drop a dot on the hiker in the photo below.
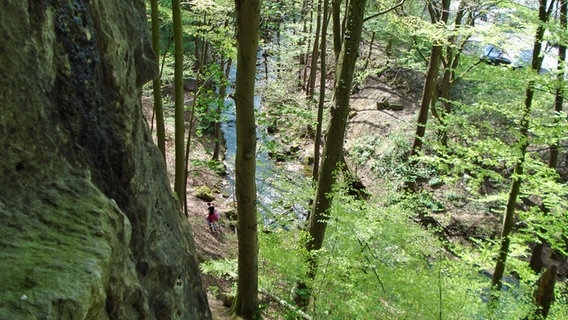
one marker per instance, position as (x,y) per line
(212,216)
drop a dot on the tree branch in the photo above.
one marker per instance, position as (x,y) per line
(419,51)
(384,11)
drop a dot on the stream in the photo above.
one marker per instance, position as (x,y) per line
(281,193)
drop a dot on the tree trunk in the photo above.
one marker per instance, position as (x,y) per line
(508,220)
(450,64)
(337,31)
(370,52)
(315,53)
(156,83)
(197,52)
(544,293)
(559,97)
(427,93)
(308,46)
(536,262)
(303,56)
(321,99)
(222,93)
(334,144)
(179,180)
(248,17)
(187,150)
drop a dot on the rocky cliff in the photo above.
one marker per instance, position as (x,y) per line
(88,225)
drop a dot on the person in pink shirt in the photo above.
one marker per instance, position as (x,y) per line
(212,217)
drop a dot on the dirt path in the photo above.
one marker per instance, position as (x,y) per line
(208,246)
(218,311)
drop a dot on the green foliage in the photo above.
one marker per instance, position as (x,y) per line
(225,268)
(209,105)
(376,263)
(216,166)
(286,116)
(383,155)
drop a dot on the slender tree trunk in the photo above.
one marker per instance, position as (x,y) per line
(536,262)
(308,46)
(544,294)
(337,31)
(430,86)
(248,17)
(345,19)
(179,180)
(321,101)
(222,93)
(334,145)
(427,92)
(315,53)
(196,52)
(370,52)
(508,221)
(303,56)
(559,97)
(156,83)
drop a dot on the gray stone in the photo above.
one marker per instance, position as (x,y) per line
(88,225)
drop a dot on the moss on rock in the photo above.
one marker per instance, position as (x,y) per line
(89,228)
(204,193)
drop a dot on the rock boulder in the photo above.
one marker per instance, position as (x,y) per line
(89,228)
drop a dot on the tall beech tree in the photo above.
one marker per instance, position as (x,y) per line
(315,54)
(179,180)
(438,15)
(248,17)
(321,98)
(560,86)
(536,262)
(464,19)
(517,177)
(333,149)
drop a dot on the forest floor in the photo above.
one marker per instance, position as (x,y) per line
(398,87)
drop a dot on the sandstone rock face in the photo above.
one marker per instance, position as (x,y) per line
(88,225)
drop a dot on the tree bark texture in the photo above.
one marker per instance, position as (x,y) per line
(248,17)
